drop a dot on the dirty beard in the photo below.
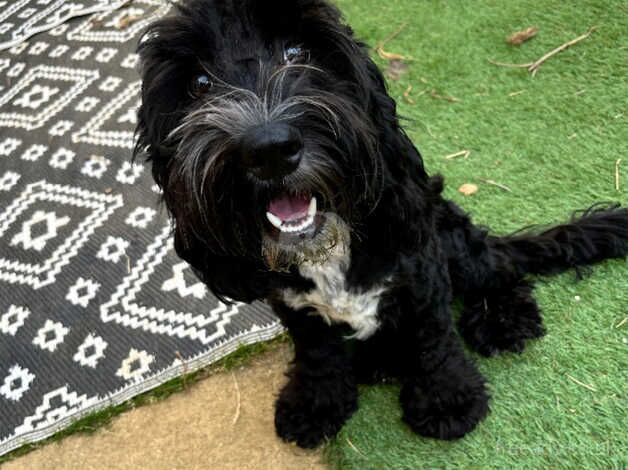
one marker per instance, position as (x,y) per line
(281,254)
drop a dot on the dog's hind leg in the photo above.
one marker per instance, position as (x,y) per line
(499,311)
(488,272)
(500,320)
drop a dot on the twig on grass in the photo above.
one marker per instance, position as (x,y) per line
(354,447)
(463,153)
(495,183)
(237,389)
(390,55)
(617,174)
(406,95)
(582,384)
(622,323)
(451,99)
(533,67)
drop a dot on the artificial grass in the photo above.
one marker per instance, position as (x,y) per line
(553,140)
(555,146)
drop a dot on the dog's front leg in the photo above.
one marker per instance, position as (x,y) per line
(443,395)
(321,393)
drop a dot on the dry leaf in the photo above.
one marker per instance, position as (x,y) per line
(389,55)
(127,20)
(468,189)
(396,68)
(520,37)
(96,23)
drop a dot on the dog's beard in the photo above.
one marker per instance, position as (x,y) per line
(283,251)
(222,196)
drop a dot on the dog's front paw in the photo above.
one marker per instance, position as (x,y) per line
(310,415)
(443,414)
(502,321)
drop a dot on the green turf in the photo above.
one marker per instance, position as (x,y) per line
(555,146)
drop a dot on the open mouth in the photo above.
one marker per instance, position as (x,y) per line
(293,214)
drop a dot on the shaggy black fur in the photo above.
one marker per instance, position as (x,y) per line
(214,70)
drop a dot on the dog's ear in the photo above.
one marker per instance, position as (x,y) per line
(397,149)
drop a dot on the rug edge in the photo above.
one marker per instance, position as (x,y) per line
(193,364)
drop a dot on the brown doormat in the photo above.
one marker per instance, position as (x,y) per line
(202,427)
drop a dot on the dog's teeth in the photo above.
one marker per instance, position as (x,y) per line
(290,228)
(311,211)
(273,219)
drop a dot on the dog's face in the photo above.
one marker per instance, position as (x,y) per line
(263,122)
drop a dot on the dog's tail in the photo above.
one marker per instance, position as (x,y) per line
(593,235)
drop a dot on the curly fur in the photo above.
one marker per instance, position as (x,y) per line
(363,170)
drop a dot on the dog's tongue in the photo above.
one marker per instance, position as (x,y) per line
(289,208)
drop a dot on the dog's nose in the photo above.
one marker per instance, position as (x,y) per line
(272,151)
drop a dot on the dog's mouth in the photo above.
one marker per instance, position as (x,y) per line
(298,230)
(293,214)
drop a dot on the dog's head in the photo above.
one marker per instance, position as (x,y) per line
(266,124)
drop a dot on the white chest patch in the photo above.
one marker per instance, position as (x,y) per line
(331,299)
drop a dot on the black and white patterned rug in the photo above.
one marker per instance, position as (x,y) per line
(21,19)
(95,307)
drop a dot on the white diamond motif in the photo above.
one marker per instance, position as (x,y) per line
(62,158)
(129,173)
(8,145)
(52,223)
(8,180)
(91,351)
(16,383)
(59,50)
(106,54)
(141,217)
(95,166)
(82,292)
(40,102)
(113,249)
(32,153)
(43,271)
(13,319)
(110,83)
(87,104)
(61,128)
(135,365)
(36,96)
(50,335)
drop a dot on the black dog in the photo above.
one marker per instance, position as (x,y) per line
(289,179)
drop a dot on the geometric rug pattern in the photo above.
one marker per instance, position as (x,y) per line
(95,306)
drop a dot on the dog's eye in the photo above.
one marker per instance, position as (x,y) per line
(201,84)
(293,54)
